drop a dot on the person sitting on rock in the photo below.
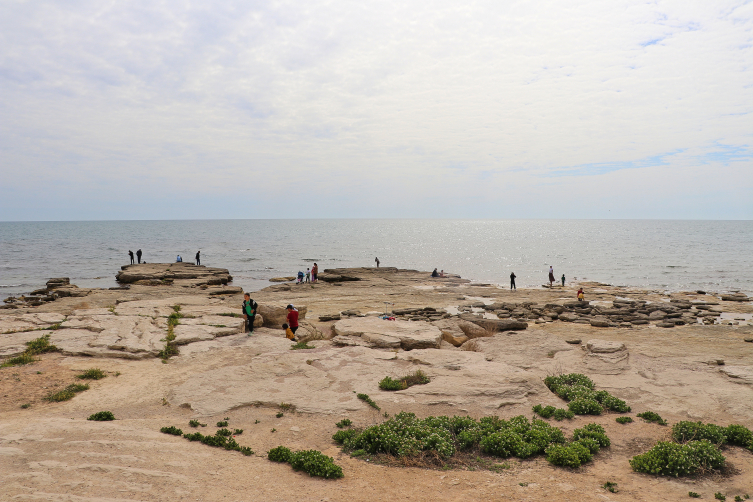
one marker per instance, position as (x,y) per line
(292,318)
(289,332)
(581,296)
(435,273)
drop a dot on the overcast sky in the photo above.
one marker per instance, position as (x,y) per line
(449,109)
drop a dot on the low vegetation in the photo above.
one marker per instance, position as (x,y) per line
(92,374)
(301,345)
(650,416)
(102,416)
(67,393)
(551,411)
(196,423)
(366,399)
(418,377)
(222,439)
(171,348)
(345,422)
(582,398)
(34,347)
(623,420)
(313,462)
(438,439)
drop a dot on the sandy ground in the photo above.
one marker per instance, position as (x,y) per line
(49,451)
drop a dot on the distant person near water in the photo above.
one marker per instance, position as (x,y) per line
(512,281)
(292,318)
(308,275)
(198,257)
(441,273)
(178,259)
(300,278)
(563,280)
(435,273)
(551,276)
(377,261)
(138,255)
(314,272)
(130,253)
(249,312)
(581,296)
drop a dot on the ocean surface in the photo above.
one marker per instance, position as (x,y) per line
(668,255)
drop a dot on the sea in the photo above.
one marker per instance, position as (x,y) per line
(682,255)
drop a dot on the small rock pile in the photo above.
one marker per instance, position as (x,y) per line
(57,287)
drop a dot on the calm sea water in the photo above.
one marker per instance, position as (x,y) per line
(669,255)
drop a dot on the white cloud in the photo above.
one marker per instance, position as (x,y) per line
(375,108)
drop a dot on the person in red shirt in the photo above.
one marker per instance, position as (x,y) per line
(292,318)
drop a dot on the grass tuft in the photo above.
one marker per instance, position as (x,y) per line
(92,374)
(102,416)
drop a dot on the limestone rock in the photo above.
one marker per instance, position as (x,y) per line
(569,317)
(604,347)
(282,279)
(743,374)
(472,330)
(738,297)
(57,282)
(390,334)
(656,315)
(275,315)
(198,274)
(329,317)
(599,322)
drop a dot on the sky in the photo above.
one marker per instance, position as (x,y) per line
(166,109)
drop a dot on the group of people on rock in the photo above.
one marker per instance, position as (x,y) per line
(138,255)
(178,259)
(310,276)
(250,308)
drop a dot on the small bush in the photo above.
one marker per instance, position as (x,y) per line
(388,383)
(551,411)
(315,463)
(365,398)
(196,423)
(345,422)
(279,454)
(219,440)
(685,431)
(103,416)
(172,430)
(739,435)
(301,345)
(585,407)
(40,346)
(223,432)
(343,437)
(672,459)
(719,496)
(570,455)
(693,495)
(623,420)
(650,416)
(92,374)
(578,388)
(26,405)
(610,487)
(67,393)
(592,431)
(237,432)
(279,414)
(222,423)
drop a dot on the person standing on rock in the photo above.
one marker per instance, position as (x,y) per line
(551,276)
(512,281)
(377,261)
(249,312)
(563,280)
(308,275)
(292,318)
(198,257)
(130,253)
(138,255)
(314,272)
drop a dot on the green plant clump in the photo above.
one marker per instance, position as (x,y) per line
(693,495)
(224,432)
(650,416)
(551,411)
(171,430)
(418,377)
(367,400)
(672,459)
(623,420)
(279,454)
(34,347)
(196,423)
(315,463)
(739,435)
(219,440)
(92,374)
(67,393)
(102,416)
(685,431)
(345,422)
(719,496)
(610,487)
(222,423)
(583,399)
(301,345)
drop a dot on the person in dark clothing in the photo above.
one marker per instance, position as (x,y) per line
(130,253)
(249,312)
(138,255)
(377,261)
(512,281)
(292,318)
(198,257)
(563,280)
(435,273)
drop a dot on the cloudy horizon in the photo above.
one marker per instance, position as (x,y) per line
(143,110)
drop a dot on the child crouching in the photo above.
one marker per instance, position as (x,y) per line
(288,332)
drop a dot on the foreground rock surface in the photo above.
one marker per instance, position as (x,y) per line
(390,334)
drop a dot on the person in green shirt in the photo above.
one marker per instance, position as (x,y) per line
(249,312)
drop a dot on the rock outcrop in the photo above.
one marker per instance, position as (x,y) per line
(381,333)
(184,272)
(276,315)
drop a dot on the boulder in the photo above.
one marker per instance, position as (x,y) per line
(738,297)
(471,330)
(275,315)
(329,317)
(495,325)
(599,322)
(390,334)
(742,374)
(57,282)
(225,291)
(197,274)
(656,315)
(568,317)
(606,356)
(456,338)
(282,279)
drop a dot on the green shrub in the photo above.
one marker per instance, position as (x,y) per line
(569,455)
(20,360)
(343,437)
(219,440)
(103,416)
(693,495)
(418,377)
(739,435)
(223,432)
(583,406)
(720,496)
(237,432)
(315,463)
(551,411)
(610,487)
(301,345)
(172,430)
(279,454)
(592,431)
(196,423)
(67,393)
(650,416)
(672,459)
(39,345)
(92,374)
(388,383)
(561,414)
(623,420)
(365,398)
(345,422)
(222,423)
(685,431)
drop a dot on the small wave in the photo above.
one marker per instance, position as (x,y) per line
(248,259)
(11,285)
(311,259)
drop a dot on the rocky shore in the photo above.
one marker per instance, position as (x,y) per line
(173,335)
